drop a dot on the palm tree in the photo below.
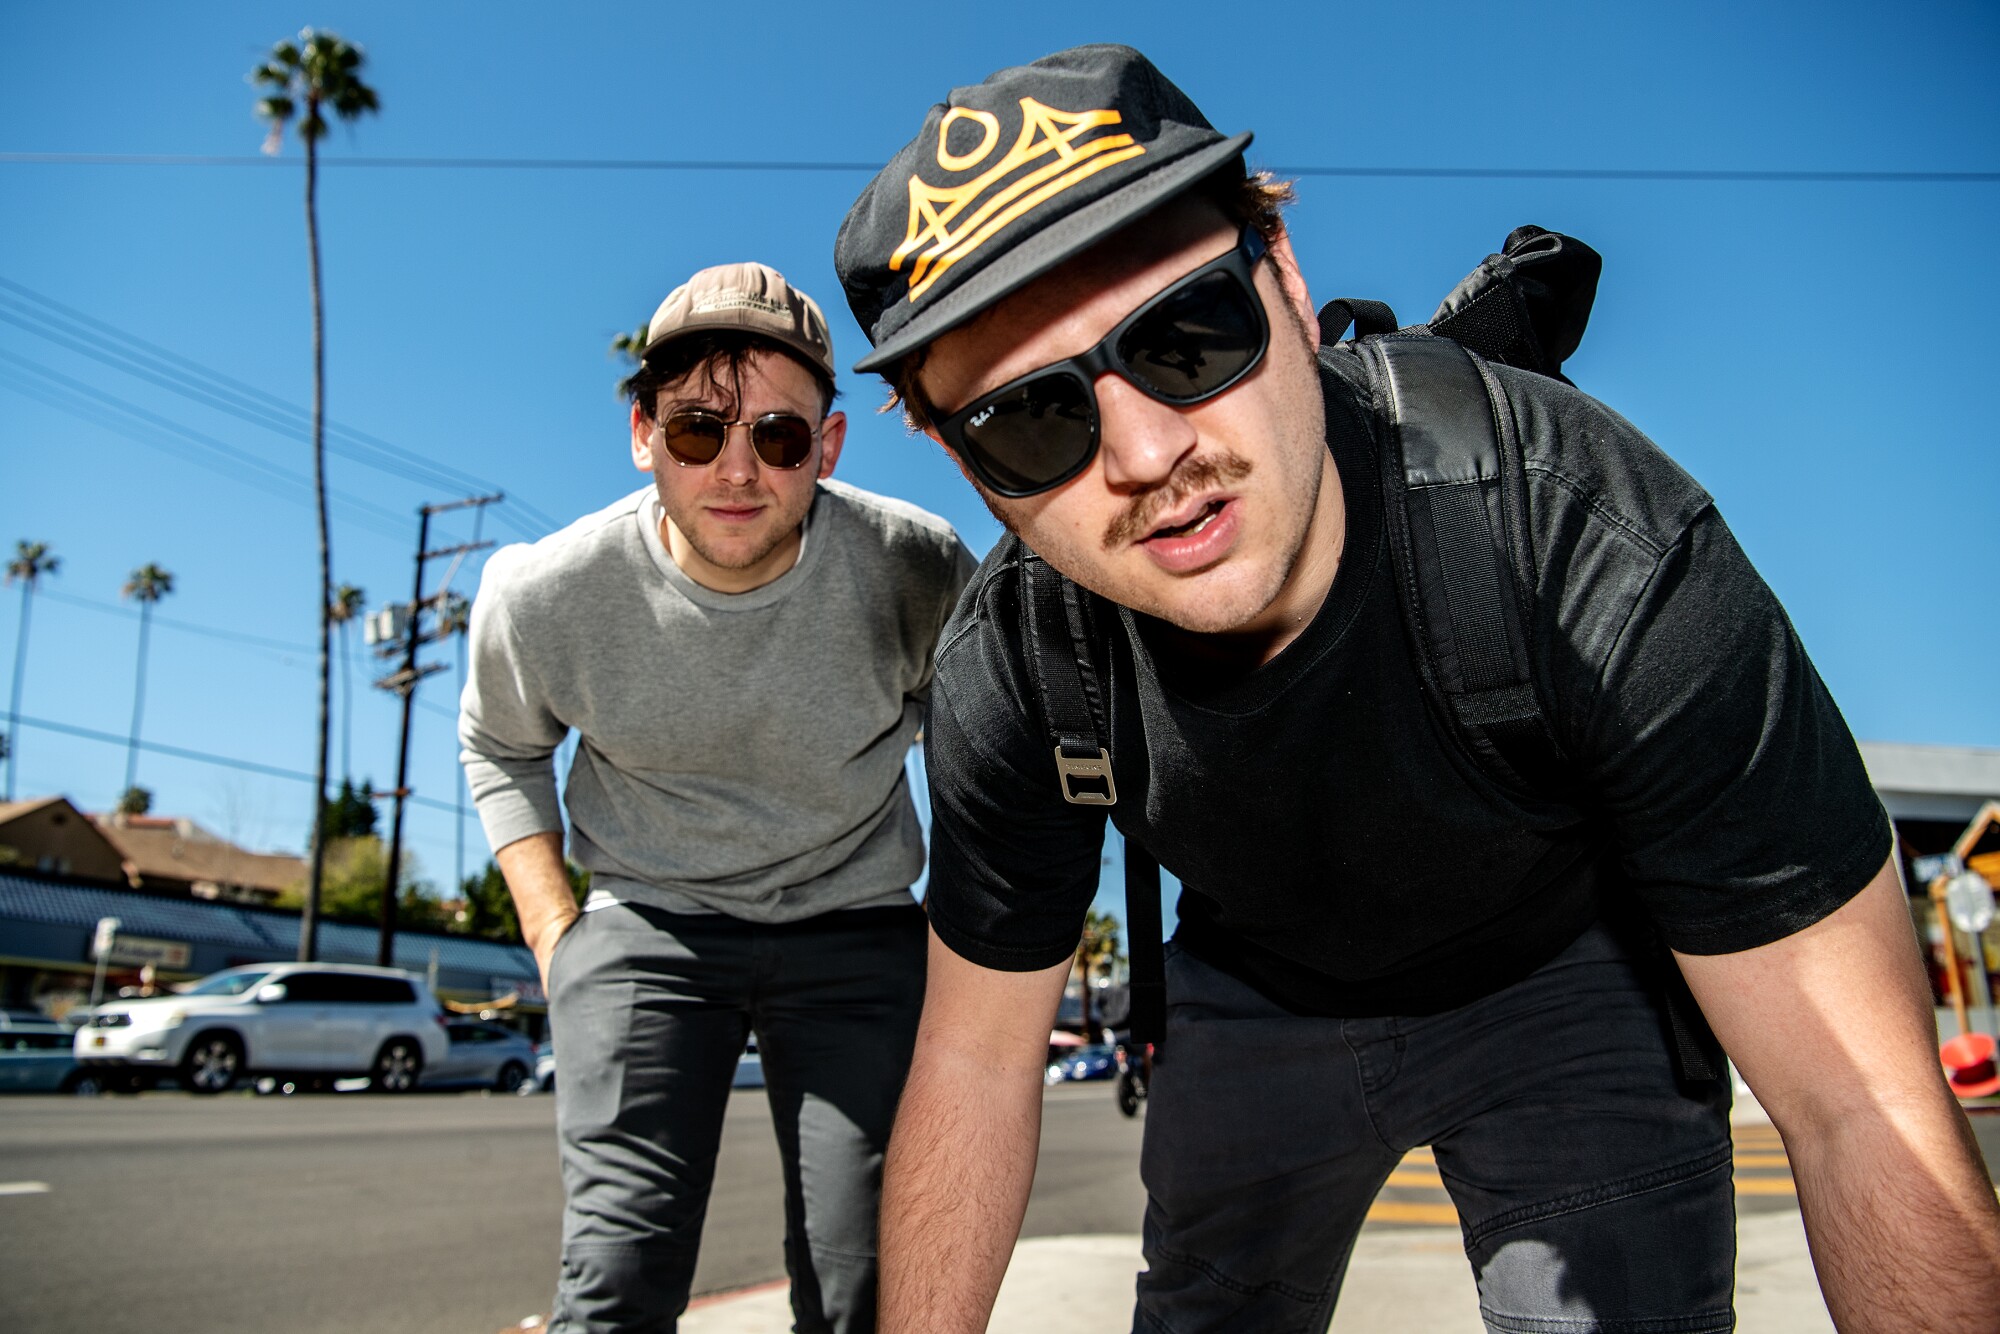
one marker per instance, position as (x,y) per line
(31,561)
(1096,952)
(629,348)
(307,78)
(347,600)
(147,585)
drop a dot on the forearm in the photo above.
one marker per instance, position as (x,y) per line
(1902,1222)
(1833,1029)
(539,882)
(955,1186)
(962,1157)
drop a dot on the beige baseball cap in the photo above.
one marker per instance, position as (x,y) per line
(752,298)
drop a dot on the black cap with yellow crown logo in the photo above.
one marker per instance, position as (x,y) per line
(1008,179)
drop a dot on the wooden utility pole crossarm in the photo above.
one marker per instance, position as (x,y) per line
(404,681)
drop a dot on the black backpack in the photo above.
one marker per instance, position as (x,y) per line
(1457,523)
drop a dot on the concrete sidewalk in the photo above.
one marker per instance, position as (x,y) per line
(1401,1278)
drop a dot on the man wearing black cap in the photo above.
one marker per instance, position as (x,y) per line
(743,647)
(1074,287)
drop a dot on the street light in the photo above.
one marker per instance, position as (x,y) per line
(100,945)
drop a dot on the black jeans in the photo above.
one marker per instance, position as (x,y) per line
(1594,1191)
(649,1011)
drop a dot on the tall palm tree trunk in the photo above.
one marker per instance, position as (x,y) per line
(138,698)
(14,699)
(309,918)
(346,704)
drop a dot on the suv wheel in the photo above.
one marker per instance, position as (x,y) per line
(83,1084)
(212,1063)
(397,1066)
(513,1078)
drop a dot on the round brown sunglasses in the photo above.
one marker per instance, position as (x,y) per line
(695,437)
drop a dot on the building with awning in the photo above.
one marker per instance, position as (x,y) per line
(48,924)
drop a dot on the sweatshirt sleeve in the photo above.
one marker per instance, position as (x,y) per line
(507,733)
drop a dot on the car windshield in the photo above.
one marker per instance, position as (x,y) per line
(232,983)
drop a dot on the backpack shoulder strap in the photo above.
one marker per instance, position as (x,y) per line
(1057,634)
(1056,640)
(1456,514)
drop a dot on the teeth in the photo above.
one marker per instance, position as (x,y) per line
(1192,526)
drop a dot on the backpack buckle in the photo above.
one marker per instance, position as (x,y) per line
(1092,769)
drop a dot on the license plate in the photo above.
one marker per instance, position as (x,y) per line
(98,1041)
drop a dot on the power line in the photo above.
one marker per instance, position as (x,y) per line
(255,641)
(199,756)
(1665,175)
(263,474)
(87,334)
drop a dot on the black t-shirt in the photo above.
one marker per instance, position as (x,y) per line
(1336,848)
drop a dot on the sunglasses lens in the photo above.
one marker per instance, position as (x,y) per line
(1196,342)
(1033,435)
(782,440)
(693,437)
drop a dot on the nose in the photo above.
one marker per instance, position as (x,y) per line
(737,464)
(1139,439)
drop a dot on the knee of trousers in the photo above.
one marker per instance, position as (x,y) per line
(1651,1254)
(611,1288)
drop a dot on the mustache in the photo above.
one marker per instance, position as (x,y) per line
(1198,473)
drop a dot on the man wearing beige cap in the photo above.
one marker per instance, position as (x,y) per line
(744,648)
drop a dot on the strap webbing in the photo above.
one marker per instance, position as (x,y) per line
(1148,983)
(1449,506)
(1366,318)
(1058,632)
(1055,628)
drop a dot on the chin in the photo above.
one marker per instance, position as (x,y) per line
(1217,602)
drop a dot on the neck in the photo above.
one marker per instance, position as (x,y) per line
(725,579)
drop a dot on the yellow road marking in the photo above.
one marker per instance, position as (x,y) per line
(1762,1159)
(1399,1211)
(1765,1186)
(1417,1178)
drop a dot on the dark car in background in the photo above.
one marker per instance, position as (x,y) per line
(482,1055)
(1097,1061)
(37,1055)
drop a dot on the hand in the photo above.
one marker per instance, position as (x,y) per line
(545,944)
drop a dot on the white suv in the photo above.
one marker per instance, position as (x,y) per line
(310,1020)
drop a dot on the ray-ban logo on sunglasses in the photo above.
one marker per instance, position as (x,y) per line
(947,223)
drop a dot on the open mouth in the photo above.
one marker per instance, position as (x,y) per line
(1194,524)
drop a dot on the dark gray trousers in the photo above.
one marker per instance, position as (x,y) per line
(649,1011)
(1594,1192)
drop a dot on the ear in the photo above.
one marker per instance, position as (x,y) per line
(642,440)
(832,435)
(1294,283)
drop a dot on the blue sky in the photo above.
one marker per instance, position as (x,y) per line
(1818,355)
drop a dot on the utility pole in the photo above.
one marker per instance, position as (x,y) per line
(404,681)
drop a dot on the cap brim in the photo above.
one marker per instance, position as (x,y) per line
(1061,240)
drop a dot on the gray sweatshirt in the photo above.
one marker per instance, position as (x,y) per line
(737,753)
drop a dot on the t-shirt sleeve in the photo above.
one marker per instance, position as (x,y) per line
(507,734)
(1013,865)
(1741,807)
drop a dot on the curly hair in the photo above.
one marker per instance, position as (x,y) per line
(717,356)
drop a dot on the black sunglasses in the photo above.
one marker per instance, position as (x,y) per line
(695,437)
(1191,342)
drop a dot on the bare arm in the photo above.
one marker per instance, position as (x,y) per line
(543,899)
(962,1156)
(1833,1030)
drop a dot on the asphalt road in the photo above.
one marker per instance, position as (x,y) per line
(165,1213)
(441,1213)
